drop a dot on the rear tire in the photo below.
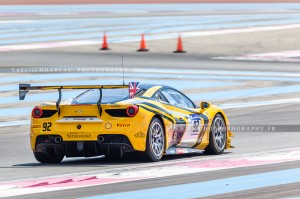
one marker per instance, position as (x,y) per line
(155,145)
(217,136)
(47,158)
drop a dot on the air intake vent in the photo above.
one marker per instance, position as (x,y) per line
(48,113)
(117,112)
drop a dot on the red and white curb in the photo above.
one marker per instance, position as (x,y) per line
(284,56)
(154,170)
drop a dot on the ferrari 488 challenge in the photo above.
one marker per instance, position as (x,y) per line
(114,120)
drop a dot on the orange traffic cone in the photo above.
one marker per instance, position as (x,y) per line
(104,44)
(143,46)
(179,46)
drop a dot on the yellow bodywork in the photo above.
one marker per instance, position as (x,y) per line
(134,128)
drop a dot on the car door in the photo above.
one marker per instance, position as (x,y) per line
(188,122)
(176,131)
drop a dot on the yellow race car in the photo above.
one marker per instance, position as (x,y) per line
(114,120)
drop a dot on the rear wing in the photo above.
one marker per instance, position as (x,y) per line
(25,88)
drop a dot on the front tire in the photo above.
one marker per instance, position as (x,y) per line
(155,140)
(217,136)
(48,158)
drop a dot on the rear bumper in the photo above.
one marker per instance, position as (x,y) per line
(134,128)
(111,145)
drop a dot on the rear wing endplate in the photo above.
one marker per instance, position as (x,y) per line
(25,88)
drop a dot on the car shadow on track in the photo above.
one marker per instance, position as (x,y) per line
(101,161)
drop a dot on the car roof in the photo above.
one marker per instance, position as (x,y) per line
(146,86)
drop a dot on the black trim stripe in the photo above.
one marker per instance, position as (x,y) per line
(153,111)
(183,108)
(201,134)
(190,111)
(157,107)
(204,117)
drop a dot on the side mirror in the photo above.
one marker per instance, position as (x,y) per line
(205,105)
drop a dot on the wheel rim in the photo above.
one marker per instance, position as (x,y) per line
(157,139)
(219,131)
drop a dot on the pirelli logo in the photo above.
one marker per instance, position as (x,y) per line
(36,126)
(123,125)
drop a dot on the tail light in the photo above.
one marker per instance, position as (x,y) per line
(37,112)
(132,110)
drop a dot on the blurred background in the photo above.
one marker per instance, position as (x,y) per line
(243,56)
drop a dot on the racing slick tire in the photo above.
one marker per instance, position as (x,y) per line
(217,136)
(48,158)
(155,145)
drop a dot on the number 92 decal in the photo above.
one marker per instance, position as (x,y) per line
(47,126)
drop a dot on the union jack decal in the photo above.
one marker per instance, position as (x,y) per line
(133,88)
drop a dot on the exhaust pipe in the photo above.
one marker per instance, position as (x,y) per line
(101,139)
(57,140)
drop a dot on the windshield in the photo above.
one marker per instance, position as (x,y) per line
(108,96)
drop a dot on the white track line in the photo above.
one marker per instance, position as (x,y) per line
(256,155)
(147,171)
(213,72)
(284,56)
(46,45)
(16,21)
(14,123)
(150,37)
(260,103)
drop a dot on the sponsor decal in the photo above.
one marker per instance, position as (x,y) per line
(172,151)
(139,135)
(78,119)
(181,151)
(75,119)
(75,135)
(133,88)
(108,125)
(179,129)
(195,122)
(37,126)
(81,119)
(123,125)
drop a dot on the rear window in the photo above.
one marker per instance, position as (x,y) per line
(108,96)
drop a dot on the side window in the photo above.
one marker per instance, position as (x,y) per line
(169,97)
(159,97)
(176,98)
